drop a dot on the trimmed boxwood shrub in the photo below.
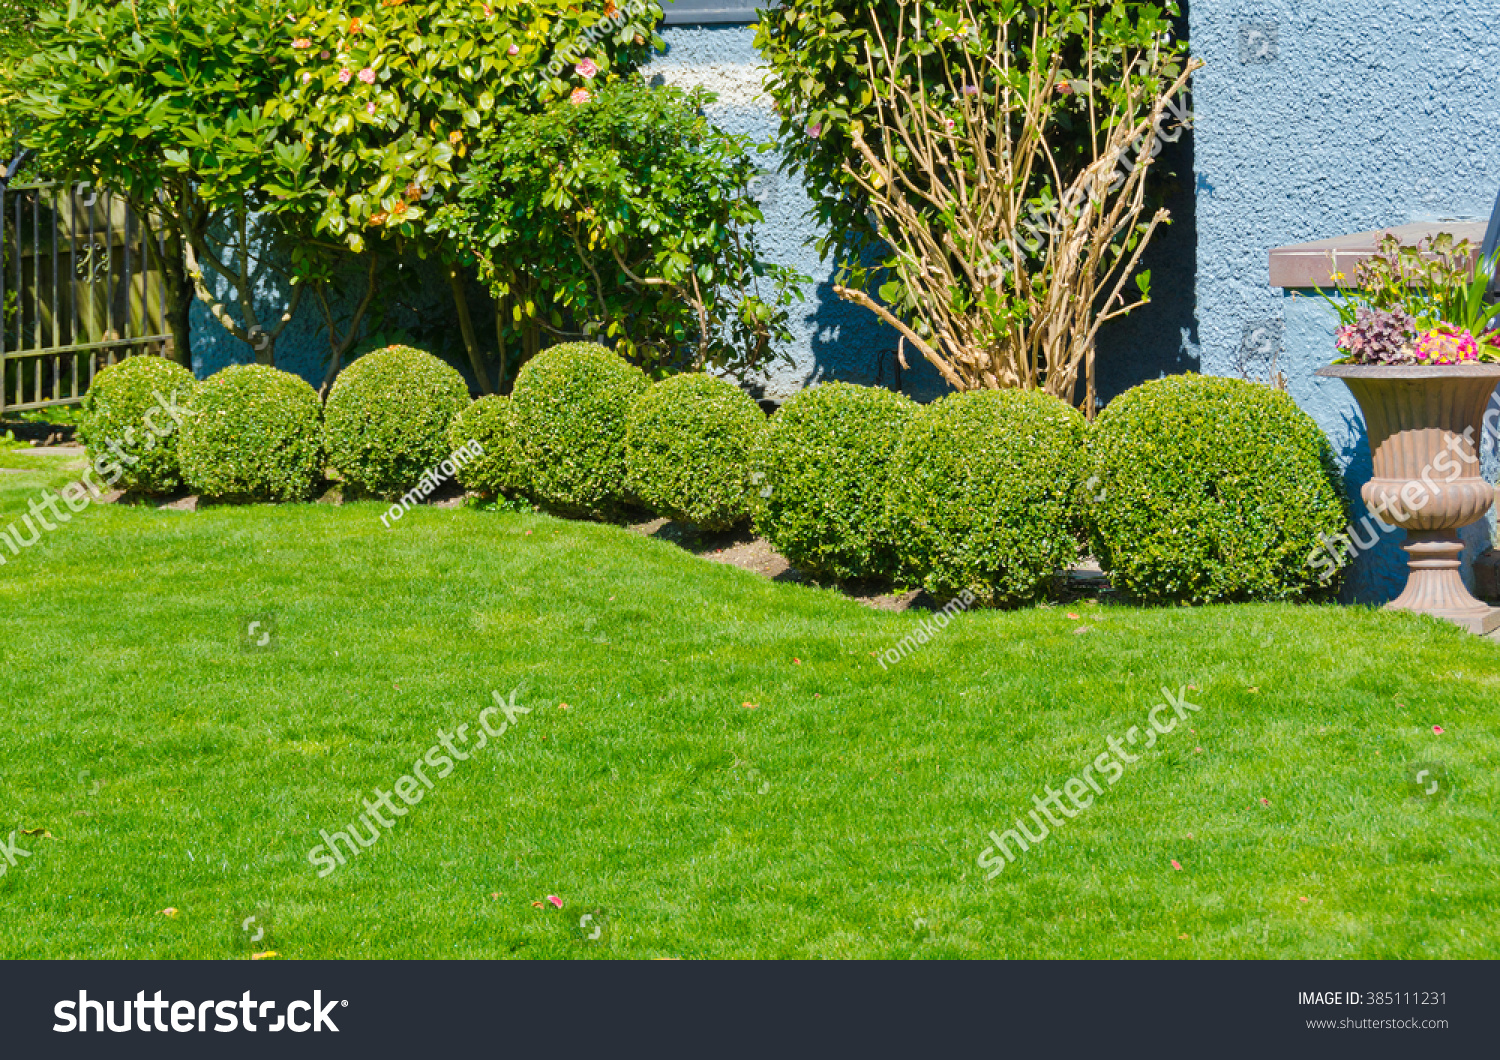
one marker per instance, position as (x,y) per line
(571,403)
(115,408)
(984,493)
(687,447)
(490,421)
(1209,489)
(819,475)
(387,419)
(254,435)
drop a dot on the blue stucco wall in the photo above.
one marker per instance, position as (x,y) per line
(1318,120)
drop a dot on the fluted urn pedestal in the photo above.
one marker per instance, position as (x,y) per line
(1425,426)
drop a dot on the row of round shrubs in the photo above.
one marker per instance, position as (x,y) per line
(1187,488)
(253,433)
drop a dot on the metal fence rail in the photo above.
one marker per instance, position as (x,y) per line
(78,288)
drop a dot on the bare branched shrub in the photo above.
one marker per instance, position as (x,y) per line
(1011,193)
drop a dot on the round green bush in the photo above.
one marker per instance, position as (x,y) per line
(819,475)
(490,421)
(984,493)
(118,419)
(1207,489)
(571,403)
(254,435)
(387,419)
(687,447)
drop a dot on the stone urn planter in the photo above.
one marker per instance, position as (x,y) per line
(1425,425)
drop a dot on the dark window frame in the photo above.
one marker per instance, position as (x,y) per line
(712,12)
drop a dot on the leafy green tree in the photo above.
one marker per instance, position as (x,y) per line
(628,217)
(386,102)
(166,103)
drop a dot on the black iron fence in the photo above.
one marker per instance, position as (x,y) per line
(81,287)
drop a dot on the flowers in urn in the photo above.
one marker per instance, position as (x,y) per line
(1426,304)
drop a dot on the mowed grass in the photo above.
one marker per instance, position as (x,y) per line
(840,816)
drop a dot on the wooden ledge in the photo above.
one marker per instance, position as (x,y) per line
(1313,264)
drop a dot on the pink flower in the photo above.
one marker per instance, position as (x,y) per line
(586,68)
(323,54)
(344,76)
(301,42)
(367,75)
(513,50)
(971,90)
(370,107)
(948,124)
(1437,730)
(579,95)
(815,130)
(306,77)
(1446,345)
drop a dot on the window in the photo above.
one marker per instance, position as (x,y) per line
(691,12)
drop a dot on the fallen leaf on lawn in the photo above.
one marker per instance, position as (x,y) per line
(1252,690)
(817,695)
(1073,616)
(1175,865)
(169,911)
(1190,835)
(264,956)
(1437,730)
(1197,750)
(1182,936)
(563,706)
(1194,687)
(749,706)
(555,900)
(1081,629)
(1301,899)
(41,832)
(1265,802)
(494,894)
(537,905)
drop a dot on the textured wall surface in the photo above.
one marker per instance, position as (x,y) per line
(835,340)
(1317,120)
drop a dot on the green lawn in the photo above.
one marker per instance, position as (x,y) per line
(841,817)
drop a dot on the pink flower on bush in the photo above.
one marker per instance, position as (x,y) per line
(306,77)
(971,90)
(323,54)
(1445,345)
(580,95)
(370,107)
(301,42)
(345,75)
(586,68)
(948,124)
(513,50)
(367,75)
(815,130)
